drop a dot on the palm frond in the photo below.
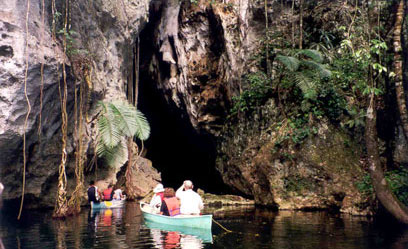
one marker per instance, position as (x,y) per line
(322,69)
(108,130)
(143,127)
(307,85)
(125,117)
(289,62)
(315,55)
(131,121)
(111,155)
(118,120)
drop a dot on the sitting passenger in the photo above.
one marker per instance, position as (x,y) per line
(170,205)
(108,193)
(157,199)
(117,194)
(190,202)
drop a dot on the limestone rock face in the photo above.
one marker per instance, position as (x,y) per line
(199,54)
(104,32)
(320,173)
(145,175)
(201,51)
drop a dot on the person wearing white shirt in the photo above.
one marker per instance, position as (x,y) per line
(155,202)
(118,195)
(190,202)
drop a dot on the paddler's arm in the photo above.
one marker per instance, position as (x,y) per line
(180,190)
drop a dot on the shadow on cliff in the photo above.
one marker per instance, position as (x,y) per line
(176,149)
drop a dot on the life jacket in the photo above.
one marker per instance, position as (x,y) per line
(107,194)
(173,205)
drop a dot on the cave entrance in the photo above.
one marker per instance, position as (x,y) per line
(176,149)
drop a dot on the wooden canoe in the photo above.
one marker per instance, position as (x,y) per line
(107,204)
(196,221)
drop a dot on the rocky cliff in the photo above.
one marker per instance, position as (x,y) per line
(195,54)
(199,54)
(104,31)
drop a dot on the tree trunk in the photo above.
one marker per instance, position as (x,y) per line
(268,63)
(301,25)
(293,24)
(399,88)
(130,188)
(382,190)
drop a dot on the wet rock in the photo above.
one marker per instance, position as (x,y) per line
(211,200)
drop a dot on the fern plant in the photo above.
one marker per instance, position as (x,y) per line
(306,70)
(118,120)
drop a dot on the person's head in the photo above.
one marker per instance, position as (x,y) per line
(92,182)
(188,184)
(110,185)
(169,192)
(159,188)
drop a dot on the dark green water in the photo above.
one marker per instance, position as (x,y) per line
(254,228)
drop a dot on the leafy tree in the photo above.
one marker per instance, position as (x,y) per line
(118,120)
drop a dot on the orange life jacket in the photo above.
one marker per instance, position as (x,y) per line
(173,205)
(107,194)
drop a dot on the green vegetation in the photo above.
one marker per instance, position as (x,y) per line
(118,120)
(257,92)
(397,180)
(327,82)
(298,184)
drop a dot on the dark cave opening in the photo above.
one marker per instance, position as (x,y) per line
(176,149)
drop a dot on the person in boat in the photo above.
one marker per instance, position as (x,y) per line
(93,194)
(1,188)
(118,195)
(158,197)
(108,193)
(190,202)
(170,205)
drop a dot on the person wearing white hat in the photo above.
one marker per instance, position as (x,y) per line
(190,202)
(158,197)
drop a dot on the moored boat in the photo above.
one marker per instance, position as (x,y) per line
(196,221)
(108,204)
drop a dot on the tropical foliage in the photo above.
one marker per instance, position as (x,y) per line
(119,120)
(344,79)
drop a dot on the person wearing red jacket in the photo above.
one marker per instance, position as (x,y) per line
(170,204)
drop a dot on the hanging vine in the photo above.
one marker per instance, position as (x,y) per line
(81,68)
(28,110)
(61,206)
(42,67)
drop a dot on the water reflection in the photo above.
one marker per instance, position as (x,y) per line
(254,228)
(174,239)
(203,235)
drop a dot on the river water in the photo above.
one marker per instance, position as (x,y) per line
(252,228)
